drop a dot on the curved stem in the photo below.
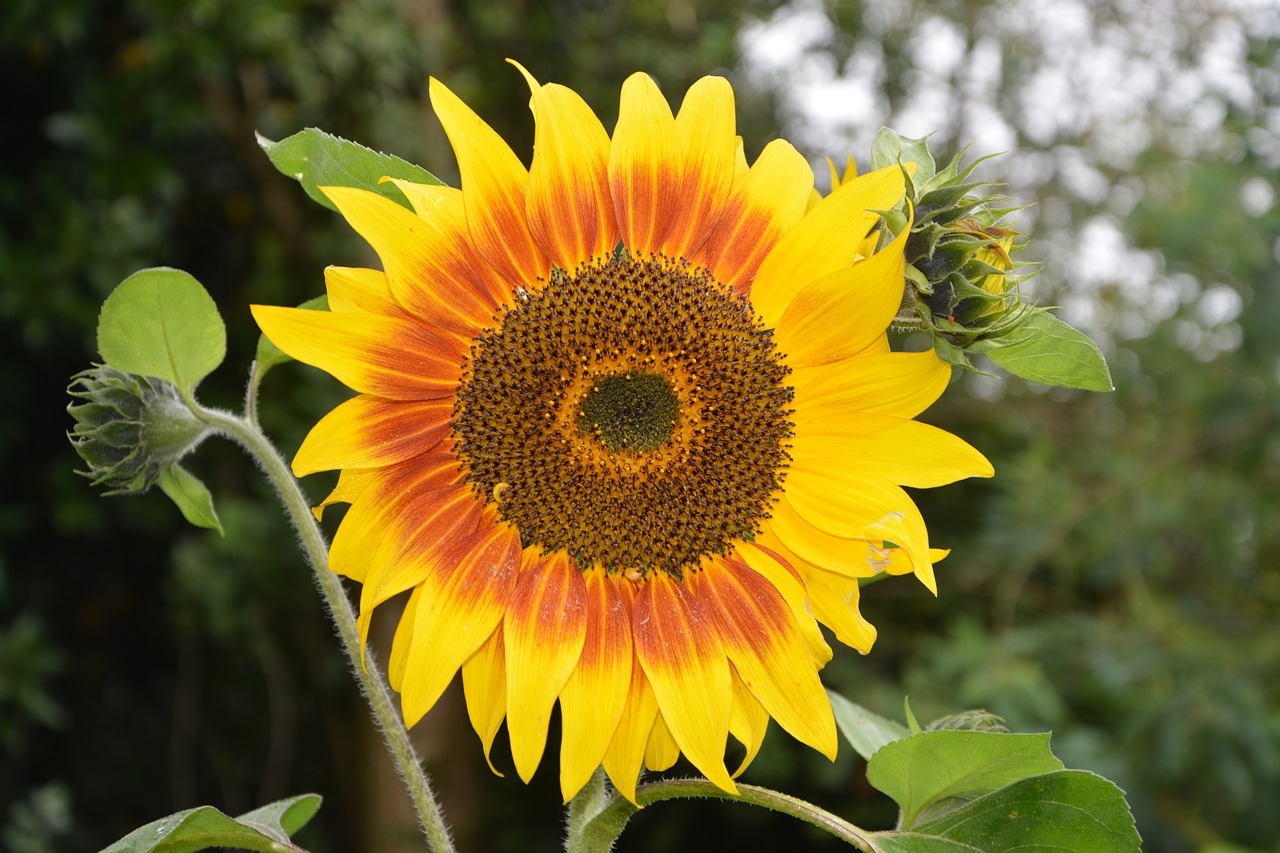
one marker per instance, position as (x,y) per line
(617,812)
(365,669)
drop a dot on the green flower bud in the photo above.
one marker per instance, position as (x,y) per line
(959,282)
(129,428)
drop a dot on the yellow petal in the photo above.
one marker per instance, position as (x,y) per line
(428,261)
(644,166)
(484,683)
(493,186)
(595,696)
(351,482)
(893,383)
(840,314)
(708,148)
(847,556)
(397,498)
(444,209)
(766,649)
(762,206)
(568,204)
(748,722)
(904,451)
(766,560)
(661,752)
(825,241)
(680,650)
(835,601)
(369,432)
(400,554)
(834,495)
(360,291)
(625,756)
(383,356)
(402,641)
(545,627)
(462,603)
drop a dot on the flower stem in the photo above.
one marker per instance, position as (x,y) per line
(608,824)
(387,717)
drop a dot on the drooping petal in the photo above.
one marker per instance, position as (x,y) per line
(748,722)
(905,451)
(866,507)
(767,651)
(484,683)
(595,696)
(369,432)
(428,259)
(462,603)
(545,628)
(644,166)
(842,313)
(351,483)
(568,203)
(825,241)
(894,383)
(624,758)
(708,148)
(403,641)
(383,356)
(493,186)
(680,650)
(835,601)
(845,555)
(662,751)
(762,206)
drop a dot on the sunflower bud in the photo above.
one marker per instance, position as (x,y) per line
(129,428)
(960,286)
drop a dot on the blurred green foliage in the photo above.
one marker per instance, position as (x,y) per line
(1117,581)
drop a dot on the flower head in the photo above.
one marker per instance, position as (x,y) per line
(628,429)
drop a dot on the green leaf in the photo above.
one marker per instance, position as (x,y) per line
(269,355)
(923,770)
(1067,811)
(318,159)
(162,323)
(1047,350)
(191,496)
(266,829)
(287,816)
(865,731)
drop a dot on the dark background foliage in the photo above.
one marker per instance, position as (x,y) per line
(1117,582)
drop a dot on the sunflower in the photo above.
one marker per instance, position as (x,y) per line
(627,428)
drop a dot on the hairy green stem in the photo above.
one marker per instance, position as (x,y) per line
(610,820)
(250,436)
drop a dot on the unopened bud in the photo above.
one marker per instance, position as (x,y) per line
(129,428)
